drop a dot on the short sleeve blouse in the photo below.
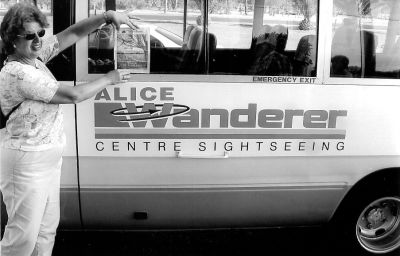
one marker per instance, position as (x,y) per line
(35,125)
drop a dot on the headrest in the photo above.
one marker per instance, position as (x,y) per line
(278,37)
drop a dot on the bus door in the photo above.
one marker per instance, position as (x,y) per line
(195,141)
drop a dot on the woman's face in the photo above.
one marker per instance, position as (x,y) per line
(27,47)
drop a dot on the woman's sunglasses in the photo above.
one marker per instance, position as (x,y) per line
(33,35)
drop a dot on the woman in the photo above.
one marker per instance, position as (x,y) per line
(33,139)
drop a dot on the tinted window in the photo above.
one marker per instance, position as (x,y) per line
(253,37)
(365,41)
(284,39)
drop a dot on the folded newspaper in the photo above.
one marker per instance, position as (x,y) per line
(132,50)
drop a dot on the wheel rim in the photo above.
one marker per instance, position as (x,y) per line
(378,226)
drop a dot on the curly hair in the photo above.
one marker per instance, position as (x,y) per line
(13,23)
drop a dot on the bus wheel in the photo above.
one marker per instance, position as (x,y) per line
(378,225)
(369,221)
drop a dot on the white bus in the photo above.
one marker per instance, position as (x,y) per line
(251,113)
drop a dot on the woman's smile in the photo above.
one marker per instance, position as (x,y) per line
(36,46)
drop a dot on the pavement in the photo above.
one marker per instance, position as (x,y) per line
(271,242)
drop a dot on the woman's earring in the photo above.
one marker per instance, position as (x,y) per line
(14,46)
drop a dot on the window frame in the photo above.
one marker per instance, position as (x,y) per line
(82,9)
(328,9)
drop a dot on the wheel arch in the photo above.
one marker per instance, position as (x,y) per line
(384,180)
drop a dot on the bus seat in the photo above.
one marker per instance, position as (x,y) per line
(259,47)
(266,29)
(305,56)
(212,46)
(278,37)
(200,51)
(186,36)
(391,60)
(195,39)
(370,41)
(194,55)
(262,36)
(270,58)
(212,41)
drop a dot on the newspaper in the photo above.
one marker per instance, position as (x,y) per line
(132,50)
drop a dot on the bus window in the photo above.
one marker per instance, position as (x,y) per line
(170,41)
(284,38)
(365,39)
(253,37)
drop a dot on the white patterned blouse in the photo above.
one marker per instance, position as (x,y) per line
(36,124)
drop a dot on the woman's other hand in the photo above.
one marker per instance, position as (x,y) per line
(67,94)
(118,18)
(118,76)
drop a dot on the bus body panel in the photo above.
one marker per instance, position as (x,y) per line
(204,175)
(194,208)
(199,193)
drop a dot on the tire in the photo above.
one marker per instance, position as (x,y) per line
(369,222)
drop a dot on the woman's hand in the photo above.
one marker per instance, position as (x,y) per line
(72,34)
(118,18)
(118,76)
(67,94)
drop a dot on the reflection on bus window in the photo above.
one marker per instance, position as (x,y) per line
(166,26)
(253,37)
(285,44)
(365,39)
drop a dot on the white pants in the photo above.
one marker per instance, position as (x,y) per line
(30,183)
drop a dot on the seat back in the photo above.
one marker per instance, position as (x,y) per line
(269,56)
(305,56)
(195,39)
(212,46)
(194,54)
(391,62)
(278,37)
(186,36)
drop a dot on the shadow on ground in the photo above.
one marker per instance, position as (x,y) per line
(272,242)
